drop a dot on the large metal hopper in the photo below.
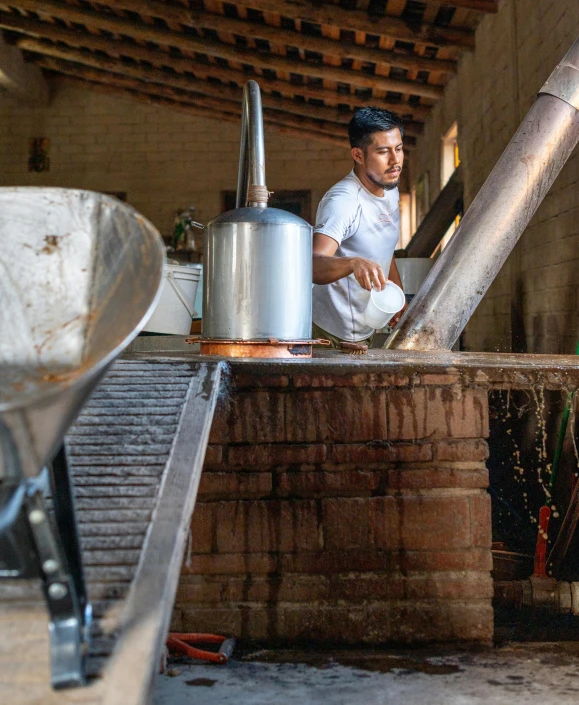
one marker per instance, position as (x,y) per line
(80,273)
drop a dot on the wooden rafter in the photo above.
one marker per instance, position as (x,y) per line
(315,60)
(286,37)
(194,88)
(209,113)
(181,65)
(333,15)
(215,48)
(491,6)
(358,20)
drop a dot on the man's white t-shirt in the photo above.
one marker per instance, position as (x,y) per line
(363,225)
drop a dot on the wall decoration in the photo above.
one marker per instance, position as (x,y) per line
(38,154)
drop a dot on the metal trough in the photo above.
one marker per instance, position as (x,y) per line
(80,273)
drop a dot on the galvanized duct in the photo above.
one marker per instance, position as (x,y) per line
(497,217)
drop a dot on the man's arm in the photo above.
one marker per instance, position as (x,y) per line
(327,268)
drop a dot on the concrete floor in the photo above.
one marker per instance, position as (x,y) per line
(534,673)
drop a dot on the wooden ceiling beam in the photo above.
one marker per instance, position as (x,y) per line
(297,129)
(61,58)
(287,37)
(216,104)
(162,59)
(209,47)
(197,112)
(491,6)
(328,14)
(360,21)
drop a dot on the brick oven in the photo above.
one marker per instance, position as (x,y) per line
(345,502)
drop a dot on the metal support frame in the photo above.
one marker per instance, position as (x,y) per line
(37,543)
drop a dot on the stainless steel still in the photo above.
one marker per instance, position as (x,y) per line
(497,217)
(257,260)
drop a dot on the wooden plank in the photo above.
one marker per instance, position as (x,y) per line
(356,20)
(145,622)
(491,6)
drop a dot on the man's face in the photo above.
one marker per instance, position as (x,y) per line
(381,162)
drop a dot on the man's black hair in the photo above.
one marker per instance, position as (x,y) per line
(368,120)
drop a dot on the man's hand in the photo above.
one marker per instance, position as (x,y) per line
(368,274)
(397,316)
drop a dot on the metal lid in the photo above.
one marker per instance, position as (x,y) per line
(259,215)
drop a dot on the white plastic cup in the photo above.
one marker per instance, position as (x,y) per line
(382,305)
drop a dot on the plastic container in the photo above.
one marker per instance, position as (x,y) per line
(382,305)
(175,309)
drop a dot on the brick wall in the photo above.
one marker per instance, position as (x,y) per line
(536,292)
(340,506)
(163,160)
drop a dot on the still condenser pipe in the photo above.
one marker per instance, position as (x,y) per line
(251,188)
(497,217)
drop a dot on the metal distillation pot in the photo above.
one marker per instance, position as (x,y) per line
(257,260)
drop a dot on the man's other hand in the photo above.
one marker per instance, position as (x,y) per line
(397,316)
(368,274)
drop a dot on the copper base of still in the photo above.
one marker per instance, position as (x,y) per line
(270,348)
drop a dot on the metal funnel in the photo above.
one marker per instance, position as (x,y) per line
(79,276)
(80,273)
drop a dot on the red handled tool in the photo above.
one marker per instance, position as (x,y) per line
(181,644)
(541,548)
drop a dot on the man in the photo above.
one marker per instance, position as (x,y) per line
(357,228)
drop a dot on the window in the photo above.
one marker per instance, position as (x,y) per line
(406,230)
(449,161)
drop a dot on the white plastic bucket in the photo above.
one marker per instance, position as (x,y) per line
(175,309)
(382,305)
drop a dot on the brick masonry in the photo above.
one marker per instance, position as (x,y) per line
(343,508)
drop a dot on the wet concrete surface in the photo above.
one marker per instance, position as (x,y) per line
(513,674)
